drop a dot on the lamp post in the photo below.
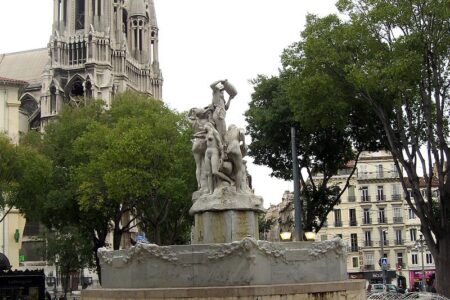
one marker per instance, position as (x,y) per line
(297,203)
(383,267)
(420,246)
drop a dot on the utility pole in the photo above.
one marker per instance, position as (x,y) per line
(383,267)
(297,203)
(420,245)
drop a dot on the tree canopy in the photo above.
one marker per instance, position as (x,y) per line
(118,169)
(380,71)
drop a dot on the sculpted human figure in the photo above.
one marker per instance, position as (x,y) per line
(214,157)
(219,106)
(198,118)
(235,151)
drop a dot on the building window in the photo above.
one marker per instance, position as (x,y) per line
(381,216)
(355,263)
(337,218)
(323,237)
(400,259)
(429,258)
(380,171)
(394,171)
(396,192)
(411,214)
(398,237)
(366,217)
(413,234)
(99,7)
(380,193)
(79,15)
(398,215)
(354,242)
(368,238)
(52,100)
(363,172)
(351,193)
(384,239)
(352,215)
(368,261)
(365,194)
(414,259)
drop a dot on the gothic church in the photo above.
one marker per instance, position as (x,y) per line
(97,49)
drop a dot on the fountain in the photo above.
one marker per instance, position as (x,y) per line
(225,259)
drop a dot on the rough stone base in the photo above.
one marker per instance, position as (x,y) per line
(244,263)
(341,290)
(225,226)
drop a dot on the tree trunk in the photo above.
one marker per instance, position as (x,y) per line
(442,262)
(157,234)
(98,267)
(117,237)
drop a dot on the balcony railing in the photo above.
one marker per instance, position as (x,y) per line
(365,198)
(354,248)
(377,175)
(368,243)
(381,198)
(366,221)
(337,223)
(386,243)
(382,220)
(398,220)
(396,197)
(369,267)
(353,223)
(399,242)
(351,198)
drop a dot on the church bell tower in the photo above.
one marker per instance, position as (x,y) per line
(99,48)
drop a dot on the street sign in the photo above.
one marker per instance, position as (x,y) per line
(384,261)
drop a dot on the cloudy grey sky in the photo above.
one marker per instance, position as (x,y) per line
(200,41)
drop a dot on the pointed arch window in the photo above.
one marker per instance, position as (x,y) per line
(79,14)
(52,100)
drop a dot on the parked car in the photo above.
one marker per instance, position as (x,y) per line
(379,288)
(375,288)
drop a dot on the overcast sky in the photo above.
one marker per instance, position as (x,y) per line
(200,41)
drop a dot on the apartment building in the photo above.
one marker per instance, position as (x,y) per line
(375,221)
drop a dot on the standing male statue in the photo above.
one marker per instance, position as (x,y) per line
(219,106)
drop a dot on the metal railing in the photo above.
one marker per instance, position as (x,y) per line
(365,198)
(398,219)
(366,221)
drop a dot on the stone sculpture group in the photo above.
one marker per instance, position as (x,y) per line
(218,152)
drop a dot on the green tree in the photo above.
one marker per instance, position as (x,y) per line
(138,164)
(117,169)
(69,250)
(390,60)
(324,146)
(23,173)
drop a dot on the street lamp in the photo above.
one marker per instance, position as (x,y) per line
(383,266)
(297,203)
(420,245)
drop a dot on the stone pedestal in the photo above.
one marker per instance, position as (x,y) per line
(225,216)
(334,290)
